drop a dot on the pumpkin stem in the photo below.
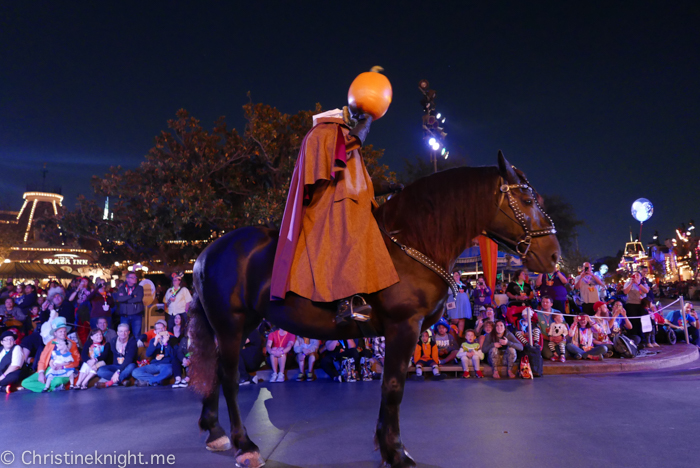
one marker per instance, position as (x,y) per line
(376,69)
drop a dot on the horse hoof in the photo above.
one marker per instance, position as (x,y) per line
(249,460)
(219,445)
(404,461)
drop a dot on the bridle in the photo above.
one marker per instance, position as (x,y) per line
(521,245)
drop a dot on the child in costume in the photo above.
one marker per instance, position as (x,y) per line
(59,356)
(558,331)
(471,351)
(522,326)
(426,354)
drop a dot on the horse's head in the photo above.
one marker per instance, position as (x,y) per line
(520,223)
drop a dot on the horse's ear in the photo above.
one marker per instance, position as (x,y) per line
(507,171)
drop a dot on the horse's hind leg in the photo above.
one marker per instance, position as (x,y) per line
(401,339)
(209,420)
(247,453)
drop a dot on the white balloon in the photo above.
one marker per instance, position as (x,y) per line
(642,209)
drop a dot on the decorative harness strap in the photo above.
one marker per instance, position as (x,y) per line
(426,262)
(522,245)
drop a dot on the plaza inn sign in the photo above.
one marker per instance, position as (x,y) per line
(71,260)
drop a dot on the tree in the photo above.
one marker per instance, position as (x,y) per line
(195,185)
(565,221)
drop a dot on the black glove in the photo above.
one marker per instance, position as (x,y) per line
(362,128)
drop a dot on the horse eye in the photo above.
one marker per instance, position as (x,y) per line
(528,201)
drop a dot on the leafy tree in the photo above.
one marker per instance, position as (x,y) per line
(195,185)
(565,220)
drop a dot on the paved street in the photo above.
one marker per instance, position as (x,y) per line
(623,420)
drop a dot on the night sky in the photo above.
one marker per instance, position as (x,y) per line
(599,103)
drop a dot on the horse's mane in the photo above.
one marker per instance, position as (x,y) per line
(440,214)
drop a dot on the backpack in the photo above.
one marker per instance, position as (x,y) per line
(534,356)
(625,347)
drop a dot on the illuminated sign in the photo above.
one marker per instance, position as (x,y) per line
(65,261)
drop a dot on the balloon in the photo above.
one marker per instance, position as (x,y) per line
(642,209)
(370,92)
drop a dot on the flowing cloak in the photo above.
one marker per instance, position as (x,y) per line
(330,246)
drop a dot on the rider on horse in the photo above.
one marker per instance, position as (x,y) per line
(330,247)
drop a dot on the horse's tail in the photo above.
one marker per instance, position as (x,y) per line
(203,358)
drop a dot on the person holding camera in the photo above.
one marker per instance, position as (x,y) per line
(161,353)
(635,291)
(587,284)
(481,295)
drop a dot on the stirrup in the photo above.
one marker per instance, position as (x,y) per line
(347,311)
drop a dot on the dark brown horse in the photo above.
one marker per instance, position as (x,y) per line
(438,215)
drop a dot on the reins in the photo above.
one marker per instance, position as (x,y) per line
(521,245)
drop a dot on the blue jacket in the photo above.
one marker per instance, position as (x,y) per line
(153,351)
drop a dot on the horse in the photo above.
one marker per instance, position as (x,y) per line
(438,216)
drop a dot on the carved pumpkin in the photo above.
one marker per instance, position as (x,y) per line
(370,92)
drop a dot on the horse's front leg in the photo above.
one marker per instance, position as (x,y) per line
(401,339)
(247,453)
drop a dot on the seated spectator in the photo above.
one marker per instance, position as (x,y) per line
(501,347)
(253,354)
(10,312)
(557,333)
(36,382)
(101,303)
(471,352)
(181,360)
(306,349)
(123,359)
(602,329)
(544,320)
(95,354)
(485,331)
(28,300)
(160,351)
(488,316)
(378,354)
(11,360)
(7,289)
(362,358)
(160,327)
(527,321)
(622,324)
(332,352)
(108,333)
(33,344)
(447,345)
(426,354)
(18,292)
(581,345)
(60,358)
(179,325)
(674,320)
(279,344)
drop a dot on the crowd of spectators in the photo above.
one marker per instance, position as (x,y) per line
(93,333)
(90,333)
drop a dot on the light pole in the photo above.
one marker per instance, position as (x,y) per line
(433,131)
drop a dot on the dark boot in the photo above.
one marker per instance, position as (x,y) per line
(353,308)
